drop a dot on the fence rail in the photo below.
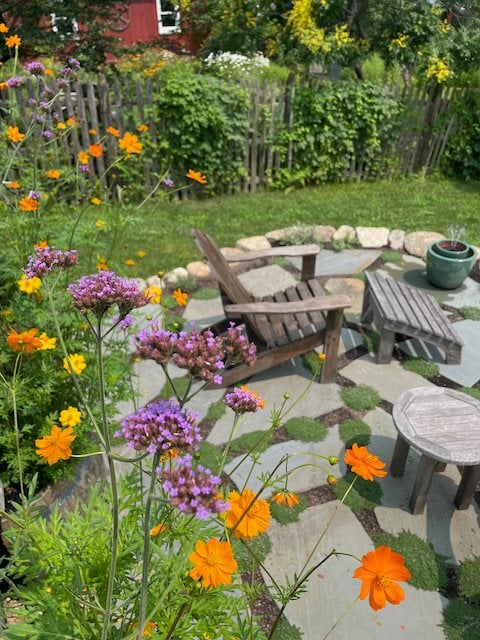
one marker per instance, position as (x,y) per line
(419,145)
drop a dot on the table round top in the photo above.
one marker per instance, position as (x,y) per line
(441,423)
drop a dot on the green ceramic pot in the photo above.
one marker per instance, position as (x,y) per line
(448,272)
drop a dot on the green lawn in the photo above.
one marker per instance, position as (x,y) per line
(410,204)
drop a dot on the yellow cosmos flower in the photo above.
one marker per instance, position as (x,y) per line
(113,132)
(96,150)
(96,201)
(70,417)
(61,125)
(100,224)
(29,285)
(28,204)
(83,157)
(53,174)
(93,132)
(197,176)
(213,562)
(247,516)
(14,135)
(141,253)
(49,72)
(130,262)
(3,28)
(143,127)
(153,293)
(75,363)
(47,343)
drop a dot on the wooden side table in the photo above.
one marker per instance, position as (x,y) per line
(444,426)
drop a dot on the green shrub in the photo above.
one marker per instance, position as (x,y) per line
(371,341)
(354,431)
(205,293)
(421,367)
(216,410)
(285,514)
(391,256)
(471,391)
(470,313)
(427,567)
(461,621)
(260,546)
(257,440)
(469,579)
(306,429)
(208,455)
(361,398)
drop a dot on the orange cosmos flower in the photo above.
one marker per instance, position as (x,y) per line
(3,85)
(93,132)
(56,445)
(70,122)
(213,562)
(113,132)
(28,204)
(247,517)
(24,341)
(96,150)
(53,174)
(13,41)
(47,343)
(14,135)
(157,530)
(13,184)
(130,144)
(3,28)
(49,72)
(180,297)
(149,629)
(285,498)
(102,265)
(197,176)
(363,463)
(380,571)
(83,157)
(41,245)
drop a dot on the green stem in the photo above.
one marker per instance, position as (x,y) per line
(181,612)
(146,548)
(113,486)
(13,391)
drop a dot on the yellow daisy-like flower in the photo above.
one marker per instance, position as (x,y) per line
(93,132)
(28,204)
(83,157)
(53,174)
(3,28)
(154,294)
(157,529)
(61,125)
(247,517)
(197,176)
(29,285)
(75,363)
(130,144)
(285,498)
(100,224)
(96,201)
(47,343)
(130,263)
(70,417)
(141,253)
(49,72)
(13,41)
(143,127)
(56,445)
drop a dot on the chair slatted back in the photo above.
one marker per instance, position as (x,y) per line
(230,282)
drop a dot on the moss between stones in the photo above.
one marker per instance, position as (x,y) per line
(286,515)
(257,440)
(306,429)
(461,621)
(475,393)
(208,455)
(354,431)
(206,293)
(364,495)
(469,579)
(260,546)
(361,398)
(391,256)
(421,367)
(216,410)
(427,568)
(470,313)
(180,384)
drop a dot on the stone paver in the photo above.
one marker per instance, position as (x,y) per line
(300,453)
(292,378)
(203,313)
(267,280)
(349,339)
(341,262)
(467,373)
(332,588)
(352,287)
(390,380)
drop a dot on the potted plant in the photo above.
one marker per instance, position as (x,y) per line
(450,261)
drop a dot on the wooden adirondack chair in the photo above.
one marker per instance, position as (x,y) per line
(284,325)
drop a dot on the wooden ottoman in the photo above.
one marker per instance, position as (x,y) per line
(444,426)
(395,307)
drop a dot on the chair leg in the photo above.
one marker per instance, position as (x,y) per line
(470,477)
(399,459)
(454,354)
(332,342)
(422,484)
(385,349)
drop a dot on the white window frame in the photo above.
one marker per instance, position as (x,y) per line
(168,29)
(54,20)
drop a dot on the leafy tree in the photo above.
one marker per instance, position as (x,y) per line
(72,27)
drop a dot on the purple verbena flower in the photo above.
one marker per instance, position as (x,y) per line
(15,81)
(73,62)
(154,343)
(161,427)
(84,167)
(32,102)
(238,347)
(35,68)
(63,83)
(243,400)
(47,93)
(98,292)
(34,195)
(46,259)
(201,354)
(125,323)
(168,182)
(192,490)
(65,71)
(48,134)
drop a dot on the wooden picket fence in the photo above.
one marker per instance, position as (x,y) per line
(95,106)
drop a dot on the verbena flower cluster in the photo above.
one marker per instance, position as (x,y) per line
(154,343)
(46,259)
(160,427)
(242,400)
(226,61)
(202,353)
(98,292)
(192,491)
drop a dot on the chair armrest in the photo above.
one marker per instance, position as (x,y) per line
(322,303)
(274,252)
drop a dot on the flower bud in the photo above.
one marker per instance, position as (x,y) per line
(333,460)
(286,396)
(331,479)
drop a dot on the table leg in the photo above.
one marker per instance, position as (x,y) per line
(470,477)
(399,459)
(422,484)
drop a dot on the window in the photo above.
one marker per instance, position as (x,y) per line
(168,17)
